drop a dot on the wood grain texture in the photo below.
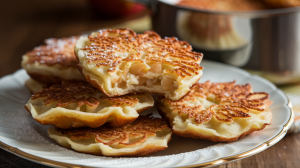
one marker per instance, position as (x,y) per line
(25,24)
(284,154)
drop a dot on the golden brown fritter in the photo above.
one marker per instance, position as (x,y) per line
(211,104)
(143,136)
(119,62)
(78,92)
(53,62)
(56,51)
(142,126)
(74,104)
(107,42)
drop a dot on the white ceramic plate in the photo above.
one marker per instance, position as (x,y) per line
(23,136)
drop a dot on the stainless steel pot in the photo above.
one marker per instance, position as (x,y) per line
(267,40)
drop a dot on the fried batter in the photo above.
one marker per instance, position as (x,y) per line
(217,111)
(53,62)
(143,136)
(120,61)
(78,104)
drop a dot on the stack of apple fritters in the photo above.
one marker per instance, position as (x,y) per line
(96,109)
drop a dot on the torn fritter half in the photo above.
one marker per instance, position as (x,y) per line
(220,112)
(79,104)
(120,61)
(53,62)
(143,136)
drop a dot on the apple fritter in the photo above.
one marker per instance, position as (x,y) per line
(120,61)
(53,62)
(143,136)
(79,104)
(220,112)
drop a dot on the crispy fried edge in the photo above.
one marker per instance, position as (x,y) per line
(211,138)
(148,149)
(95,124)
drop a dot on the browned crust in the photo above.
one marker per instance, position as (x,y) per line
(169,47)
(56,51)
(234,101)
(79,92)
(191,134)
(102,41)
(145,125)
(82,93)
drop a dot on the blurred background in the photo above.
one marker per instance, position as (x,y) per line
(26,24)
(260,36)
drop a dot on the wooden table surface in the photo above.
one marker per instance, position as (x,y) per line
(25,24)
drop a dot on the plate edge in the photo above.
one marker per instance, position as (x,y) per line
(220,161)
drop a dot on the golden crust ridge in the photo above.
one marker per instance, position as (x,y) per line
(106,43)
(231,101)
(78,92)
(141,127)
(55,51)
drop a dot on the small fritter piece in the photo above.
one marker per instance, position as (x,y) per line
(143,136)
(220,112)
(53,62)
(79,104)
(120,61)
